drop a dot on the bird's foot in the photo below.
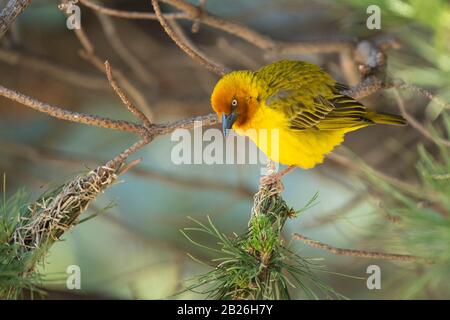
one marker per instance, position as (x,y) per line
(275,177)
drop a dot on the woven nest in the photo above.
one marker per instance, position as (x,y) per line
(54,213)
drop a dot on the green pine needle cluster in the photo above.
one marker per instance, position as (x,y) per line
(259,264)
(15,264)
(28,230)
(19,253)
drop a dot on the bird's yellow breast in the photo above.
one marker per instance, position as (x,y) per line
(269,130)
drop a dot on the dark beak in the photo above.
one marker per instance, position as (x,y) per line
(227,122)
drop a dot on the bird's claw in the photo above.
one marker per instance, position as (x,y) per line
(275,177)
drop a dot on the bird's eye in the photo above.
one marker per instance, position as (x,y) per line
(234,103)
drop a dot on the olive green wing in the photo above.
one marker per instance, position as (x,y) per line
(288,74)
(305,110)
(309,97)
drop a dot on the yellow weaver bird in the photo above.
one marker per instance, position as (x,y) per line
(298,99)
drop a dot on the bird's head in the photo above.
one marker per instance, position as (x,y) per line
(234,99)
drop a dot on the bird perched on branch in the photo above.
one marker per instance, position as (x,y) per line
(304,105)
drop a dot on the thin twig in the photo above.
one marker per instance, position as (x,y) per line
(371,54)
(356,253)
(123,51)
(335,214)
(33,62)
(367,87)
(424,93)
(79,32)
(124,82)
(127,103)
(416,124)
(210,65)
(89,54)
(362,168)
(166,128)
(119,159)
(130,14)
(130,165)
(196,25)
(10,13)
(261,41)
(182,36)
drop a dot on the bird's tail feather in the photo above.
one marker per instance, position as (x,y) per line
(386,118)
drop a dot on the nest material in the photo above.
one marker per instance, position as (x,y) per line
(54,213)
(268,201)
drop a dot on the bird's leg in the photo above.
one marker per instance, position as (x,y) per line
(274,177)
(278,175)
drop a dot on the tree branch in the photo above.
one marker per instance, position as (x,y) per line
(130,14)
(10,13)
(209,64)
(72,116)
(416,124)
(261,41)
(356,253)
(89,54)
(147,133)
(34,62)
(123,51)
(126,102)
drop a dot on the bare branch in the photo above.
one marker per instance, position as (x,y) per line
(130,14)
(79,32)
(133,109)
(199,14)
(358,253)
(261,41)
(362,168)
(367,87)
(239,30)
(416,124)
(206,120)
(181,35)
(335,214)
(196,25)
(36,63)
(424,93)
(127,152)
(130,165)
(88,53)
(72,116)
(10,13)
(210,65)
(122,50)
(147,133)
(124,82)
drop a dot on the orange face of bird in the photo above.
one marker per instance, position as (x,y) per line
(232,100)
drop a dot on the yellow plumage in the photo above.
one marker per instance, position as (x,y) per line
(298,105)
